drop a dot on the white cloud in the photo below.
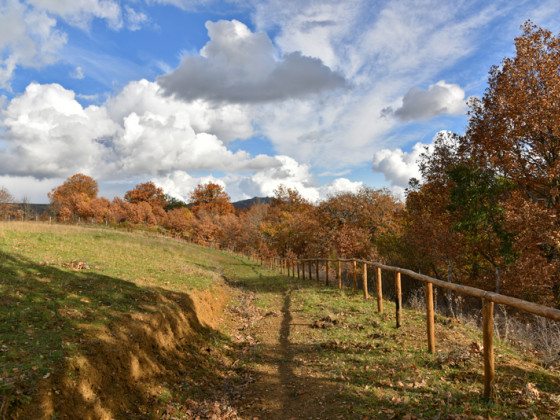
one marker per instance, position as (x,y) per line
(382,51)
(228,122)
(317,29)
(340,185)
(239,66)
(440,98)
(28,38)
(81,12)
(47,133)
(134,19)
(261,183)
(293,175)
(180,184)
(31,36)
(398,166)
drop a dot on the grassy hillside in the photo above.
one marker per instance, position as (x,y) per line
(96,323)
(101,321)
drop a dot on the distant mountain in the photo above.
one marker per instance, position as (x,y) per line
(245,204)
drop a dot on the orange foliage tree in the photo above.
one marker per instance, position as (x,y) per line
(72,199)
(148,202)
(353,222)
(210,198)
(516,126)
(488,208)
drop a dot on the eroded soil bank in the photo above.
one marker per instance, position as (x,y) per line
(139,364)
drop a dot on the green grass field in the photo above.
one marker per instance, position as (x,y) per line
(63,287)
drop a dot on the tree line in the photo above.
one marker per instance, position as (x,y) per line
(485,213)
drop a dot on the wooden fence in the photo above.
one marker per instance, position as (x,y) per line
(297,267)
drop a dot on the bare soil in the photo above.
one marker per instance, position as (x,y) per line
(125,368)
(286,381)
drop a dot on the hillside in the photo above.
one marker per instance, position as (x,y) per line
(116,325)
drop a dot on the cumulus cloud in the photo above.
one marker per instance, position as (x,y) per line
(239,66)
(398,166)
(261,183)
(340,185)
(45,132)
(228,122)
(180,184)
(440,98)
(293,175)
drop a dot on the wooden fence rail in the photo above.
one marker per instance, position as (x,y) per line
(488,300)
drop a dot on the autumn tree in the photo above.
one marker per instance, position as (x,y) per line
(147,192)
(354,221)
(6,200)
(210,198)
(178,220)
(100,208)
(152,196)
(290,225)
(515,128)
(72,198)
(250,235)
(515,131)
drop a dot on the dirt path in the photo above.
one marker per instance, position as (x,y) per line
(288,384)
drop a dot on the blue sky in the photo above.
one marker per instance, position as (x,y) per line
(323,96)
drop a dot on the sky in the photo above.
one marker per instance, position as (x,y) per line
(320,95)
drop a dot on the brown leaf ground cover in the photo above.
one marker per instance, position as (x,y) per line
(98,324)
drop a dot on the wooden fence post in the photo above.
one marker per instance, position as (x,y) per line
(298,267)
(339,275)
(379,291)
(317,270)
(398,297)
(326,272)
(354,278)
(430,317)
(364,278)
(488,343)
(310,266)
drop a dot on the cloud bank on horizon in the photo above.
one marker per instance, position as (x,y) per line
(321,96)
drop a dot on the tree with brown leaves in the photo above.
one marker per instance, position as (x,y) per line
(72,198)
(6,200)
(151,195)
(516,126)
(210,198)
